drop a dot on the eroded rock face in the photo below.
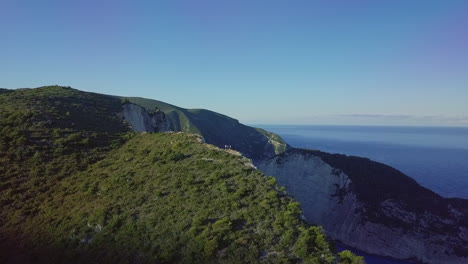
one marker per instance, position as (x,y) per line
(380,221)
(142,121)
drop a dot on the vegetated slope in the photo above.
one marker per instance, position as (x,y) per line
(161,197)
(219,130)
(47,134)
(168,198)
(3,90)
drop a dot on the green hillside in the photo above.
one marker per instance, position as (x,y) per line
(218,129)
(77,187)
(46,134)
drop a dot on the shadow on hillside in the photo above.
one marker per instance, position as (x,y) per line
(13,251)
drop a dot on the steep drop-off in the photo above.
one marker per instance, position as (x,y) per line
(141,120)
(373,207)
(218,129)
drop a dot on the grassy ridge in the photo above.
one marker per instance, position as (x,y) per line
(219,130)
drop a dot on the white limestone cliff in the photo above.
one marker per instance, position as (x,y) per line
(327,199)
(142,121)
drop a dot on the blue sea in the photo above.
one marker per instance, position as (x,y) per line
(436,157)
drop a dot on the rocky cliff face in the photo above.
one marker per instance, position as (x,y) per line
(142,121)
(218,129)
(373,207)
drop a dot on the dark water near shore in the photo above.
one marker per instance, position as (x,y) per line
(436,157)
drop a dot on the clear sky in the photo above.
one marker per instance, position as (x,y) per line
(398,62)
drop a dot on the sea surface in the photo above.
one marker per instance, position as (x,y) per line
(436,157)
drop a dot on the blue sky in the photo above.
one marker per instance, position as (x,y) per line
(299,62)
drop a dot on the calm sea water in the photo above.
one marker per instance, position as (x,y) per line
(436,157)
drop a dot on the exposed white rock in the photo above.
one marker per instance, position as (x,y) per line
(327,200)
(142,121)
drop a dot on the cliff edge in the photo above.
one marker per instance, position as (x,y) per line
(373,207)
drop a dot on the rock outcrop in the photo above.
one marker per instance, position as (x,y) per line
(373,207)
(142,121)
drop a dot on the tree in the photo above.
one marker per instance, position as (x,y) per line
(347,257)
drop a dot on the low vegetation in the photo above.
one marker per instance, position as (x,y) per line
(78,187)
(47,134)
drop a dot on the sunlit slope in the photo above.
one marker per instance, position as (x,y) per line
(168,198)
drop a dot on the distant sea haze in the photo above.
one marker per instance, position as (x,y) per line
(436,157)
